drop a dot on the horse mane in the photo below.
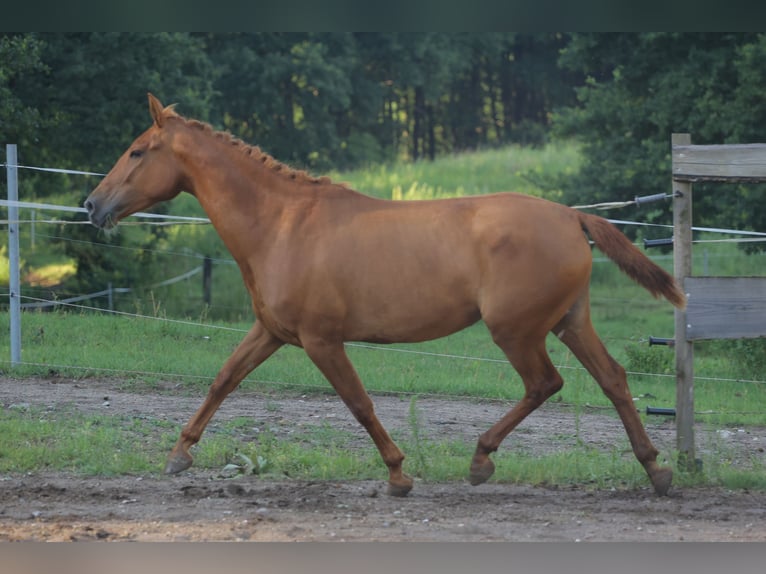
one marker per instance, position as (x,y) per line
(252,151)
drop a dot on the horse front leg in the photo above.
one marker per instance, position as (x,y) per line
(332,361)
(257,346)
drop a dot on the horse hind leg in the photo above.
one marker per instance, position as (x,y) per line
(541,380)
(577,333)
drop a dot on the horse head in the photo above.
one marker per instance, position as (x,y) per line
(146,173)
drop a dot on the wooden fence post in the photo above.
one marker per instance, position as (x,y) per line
(717,307)
(684,349)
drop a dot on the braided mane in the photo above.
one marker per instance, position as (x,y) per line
(254,152)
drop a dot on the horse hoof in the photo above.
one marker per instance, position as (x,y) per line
(178,463)
(401,488)
(480,473)
(662,480)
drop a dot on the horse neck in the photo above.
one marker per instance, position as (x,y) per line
(243,198)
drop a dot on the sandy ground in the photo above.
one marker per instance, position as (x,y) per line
(200,505)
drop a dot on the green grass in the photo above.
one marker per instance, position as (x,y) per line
(35,441)
(524,170)
(32,440)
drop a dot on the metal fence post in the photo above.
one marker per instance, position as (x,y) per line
(13,253)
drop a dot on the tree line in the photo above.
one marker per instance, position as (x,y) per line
(641,88)
(318,100)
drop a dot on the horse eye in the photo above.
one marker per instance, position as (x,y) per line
(136,153)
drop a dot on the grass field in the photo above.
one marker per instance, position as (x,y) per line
(141,348)
(519,169)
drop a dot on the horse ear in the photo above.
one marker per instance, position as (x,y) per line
(156,109)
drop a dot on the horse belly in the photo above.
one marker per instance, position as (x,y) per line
(398,310)
(410,329)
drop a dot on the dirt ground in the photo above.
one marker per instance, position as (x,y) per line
(200,505)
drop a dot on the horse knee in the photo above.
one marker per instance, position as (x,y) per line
(542,390)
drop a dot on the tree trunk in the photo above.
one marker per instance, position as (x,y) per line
(418,113)
(431,132)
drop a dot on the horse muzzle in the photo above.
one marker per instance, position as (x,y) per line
(100,215)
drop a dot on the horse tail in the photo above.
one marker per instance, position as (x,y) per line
(631,260)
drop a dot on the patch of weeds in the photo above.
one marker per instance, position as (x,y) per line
(747,356)
(579,466)
(645,359)
(34,440)
(419,448)
(246,466)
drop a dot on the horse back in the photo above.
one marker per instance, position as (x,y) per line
(411,271)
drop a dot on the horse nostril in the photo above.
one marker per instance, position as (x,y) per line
(89,205)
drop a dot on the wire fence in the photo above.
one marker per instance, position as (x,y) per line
(34,300)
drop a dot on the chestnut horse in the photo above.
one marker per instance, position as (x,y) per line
(325,264)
